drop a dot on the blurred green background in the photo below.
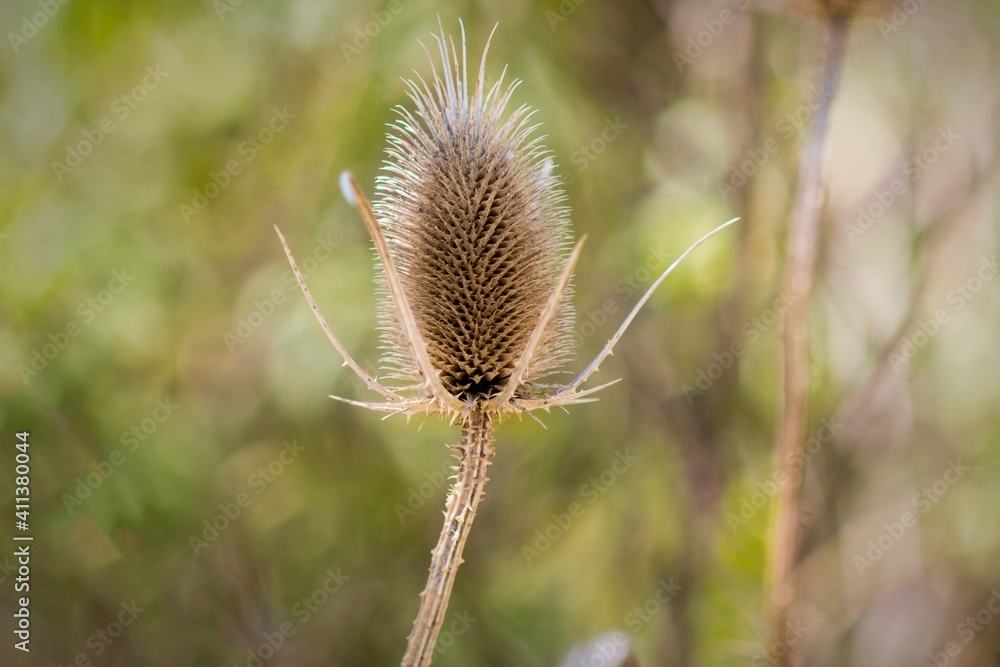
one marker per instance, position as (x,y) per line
(171,376)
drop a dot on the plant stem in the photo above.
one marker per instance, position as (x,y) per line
(799,269)
(475,454)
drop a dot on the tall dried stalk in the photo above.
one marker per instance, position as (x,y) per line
(800,265)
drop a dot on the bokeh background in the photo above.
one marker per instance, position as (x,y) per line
(172,377)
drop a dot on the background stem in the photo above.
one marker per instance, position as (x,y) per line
(475,454)
(800,265)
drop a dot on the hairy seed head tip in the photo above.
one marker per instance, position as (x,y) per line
(476,225)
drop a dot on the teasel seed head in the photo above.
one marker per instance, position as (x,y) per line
(475,223)
(471,239)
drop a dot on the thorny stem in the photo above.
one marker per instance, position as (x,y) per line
(475,454)
(799,269)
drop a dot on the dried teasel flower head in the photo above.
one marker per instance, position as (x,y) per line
(474,220)
(472,239)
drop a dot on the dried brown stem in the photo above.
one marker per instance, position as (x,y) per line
(800,265)
(475,454)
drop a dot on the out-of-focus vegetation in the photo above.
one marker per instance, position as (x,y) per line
(172,377)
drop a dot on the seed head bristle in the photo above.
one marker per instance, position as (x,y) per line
(474,220)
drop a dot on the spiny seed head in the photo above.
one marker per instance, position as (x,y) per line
(474,221)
